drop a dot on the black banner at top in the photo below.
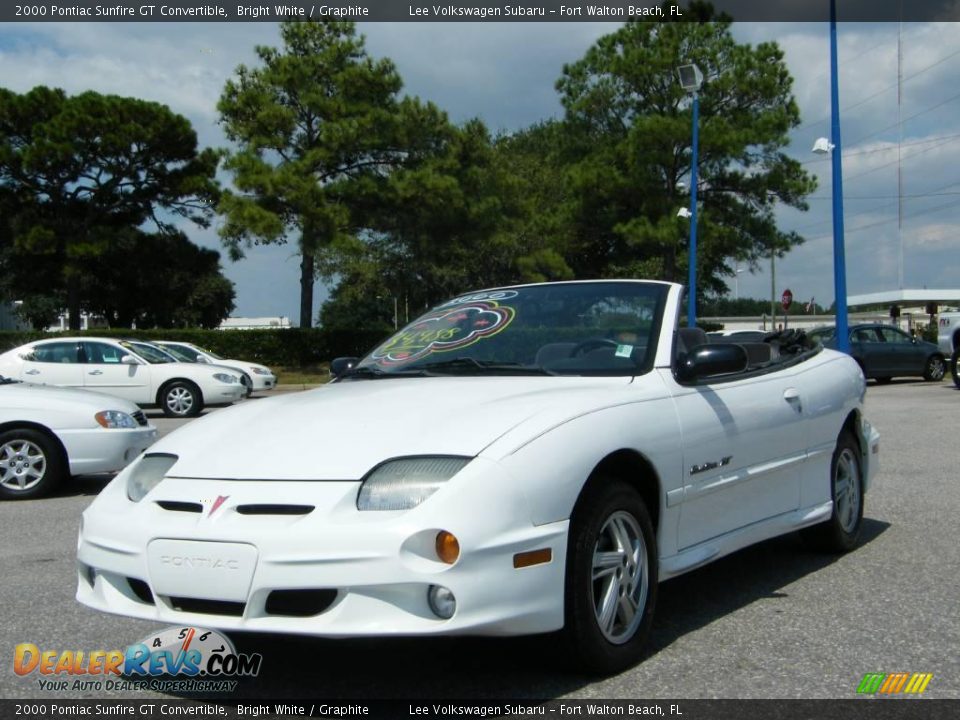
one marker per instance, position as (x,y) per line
(474,11)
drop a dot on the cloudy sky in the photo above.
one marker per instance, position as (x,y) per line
(504,73)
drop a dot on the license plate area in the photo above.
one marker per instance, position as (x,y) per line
(197,569)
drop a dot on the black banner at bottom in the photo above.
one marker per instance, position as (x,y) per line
(872,708)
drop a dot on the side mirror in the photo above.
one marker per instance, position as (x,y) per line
(128,360)
(342,365)
(709,360)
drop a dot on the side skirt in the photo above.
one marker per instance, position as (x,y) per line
(714,548)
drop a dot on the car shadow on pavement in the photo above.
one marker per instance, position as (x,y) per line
(515,668)
(83,485)
(756,573)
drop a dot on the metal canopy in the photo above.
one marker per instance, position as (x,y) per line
(906,297)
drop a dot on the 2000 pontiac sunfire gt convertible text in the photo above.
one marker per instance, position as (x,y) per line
(519,460)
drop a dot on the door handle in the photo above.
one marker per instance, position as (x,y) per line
(32,372)
(792,396)
(95,372)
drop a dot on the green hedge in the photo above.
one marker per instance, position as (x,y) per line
(293,347)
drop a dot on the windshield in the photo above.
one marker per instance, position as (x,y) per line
(211,353)
(589,328)
(181,353)
(151,353)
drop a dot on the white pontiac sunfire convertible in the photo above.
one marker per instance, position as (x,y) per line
(519,460)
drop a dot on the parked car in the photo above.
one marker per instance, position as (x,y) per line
(520,460)
(253,376)
(884,352)
(49,434)
(129,370)
(948,340)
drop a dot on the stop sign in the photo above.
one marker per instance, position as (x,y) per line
(786,299)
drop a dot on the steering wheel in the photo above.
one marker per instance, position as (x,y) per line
(592,344)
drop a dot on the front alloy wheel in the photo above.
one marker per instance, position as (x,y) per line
(181,399)
(611,579)
(620,577)
(30,464)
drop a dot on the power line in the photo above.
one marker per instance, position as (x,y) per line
(884,90)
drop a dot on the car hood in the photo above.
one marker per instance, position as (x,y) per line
(341,431)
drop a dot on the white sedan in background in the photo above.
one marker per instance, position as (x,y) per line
(130,370)
(48,434)
(253,376)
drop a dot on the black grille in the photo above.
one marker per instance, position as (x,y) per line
(208,607)
(140,417)
(141,590)
(299,603)
(274,509)
(176,506)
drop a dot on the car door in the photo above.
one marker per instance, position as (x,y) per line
(744,443)
(104,371)
(908,357)
(878,358)
(54,362)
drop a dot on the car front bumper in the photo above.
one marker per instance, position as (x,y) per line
(100,450)
(226,560)
(263,382)
(224,394)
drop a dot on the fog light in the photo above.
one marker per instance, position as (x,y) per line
(448,547)
(442,601)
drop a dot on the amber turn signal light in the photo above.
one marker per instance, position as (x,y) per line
(448,547)
(533,557)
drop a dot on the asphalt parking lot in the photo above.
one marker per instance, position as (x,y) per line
(772,621)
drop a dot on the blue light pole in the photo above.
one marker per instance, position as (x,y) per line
(839,259)
(690,80)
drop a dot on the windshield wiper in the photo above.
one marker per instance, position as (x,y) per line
(471,365)
(373,372)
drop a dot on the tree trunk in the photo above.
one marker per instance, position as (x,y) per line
(306,290)
(73,300)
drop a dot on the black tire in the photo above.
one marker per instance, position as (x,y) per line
(607,507)
(841,533)
(953,367)
(31,464)
(247,384)
(180,399)
(935,368)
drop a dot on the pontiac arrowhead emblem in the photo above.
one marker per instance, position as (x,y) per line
(217,503)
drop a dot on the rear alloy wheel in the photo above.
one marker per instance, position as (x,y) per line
(611,584)
(953,367)
(935,368)
(841,533)
(30,464)
(181,399)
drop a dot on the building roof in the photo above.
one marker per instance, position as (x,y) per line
(906,296)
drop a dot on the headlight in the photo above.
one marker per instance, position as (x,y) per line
(224,378)
(147,474)
(405,483)
(114,419)
(261,370)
